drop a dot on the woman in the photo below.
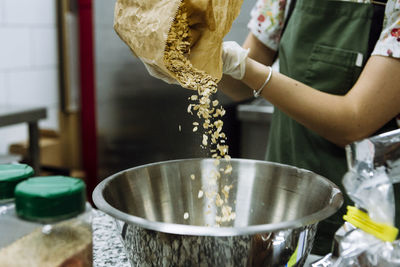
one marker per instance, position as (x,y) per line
(330,89)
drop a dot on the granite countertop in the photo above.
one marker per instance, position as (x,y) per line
(108,250)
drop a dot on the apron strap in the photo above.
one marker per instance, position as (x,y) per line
(377,24)
(382,2)
(289,14)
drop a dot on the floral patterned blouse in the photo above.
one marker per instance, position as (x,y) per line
(268,17)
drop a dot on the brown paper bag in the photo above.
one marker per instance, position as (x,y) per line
(144,26)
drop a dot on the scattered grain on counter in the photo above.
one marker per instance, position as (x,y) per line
(186,215)
(67,244)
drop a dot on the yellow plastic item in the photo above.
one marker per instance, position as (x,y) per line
(362,221)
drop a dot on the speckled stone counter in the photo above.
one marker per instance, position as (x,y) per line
(108,250)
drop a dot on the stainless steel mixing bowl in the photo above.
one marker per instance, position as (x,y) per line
(165,223)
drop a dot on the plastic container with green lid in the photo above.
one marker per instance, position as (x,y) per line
(51,217)
(10,176)
(49,199)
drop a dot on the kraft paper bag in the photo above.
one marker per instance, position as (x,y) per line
(144,26)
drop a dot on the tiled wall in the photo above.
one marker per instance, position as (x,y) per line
(28,61)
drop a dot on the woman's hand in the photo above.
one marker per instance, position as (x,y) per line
(255,50)
(234,60)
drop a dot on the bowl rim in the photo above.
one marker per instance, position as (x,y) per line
(194,230)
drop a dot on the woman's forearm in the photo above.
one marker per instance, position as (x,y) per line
(234,89)
(373,101)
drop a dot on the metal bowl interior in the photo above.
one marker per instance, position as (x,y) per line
(265,196)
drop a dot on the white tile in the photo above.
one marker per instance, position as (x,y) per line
(36,87)
(51,121)
(44,46)
(12,134)
(3,89)
(14,48)
(2,9)
(30,12)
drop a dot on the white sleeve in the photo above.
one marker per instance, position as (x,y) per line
(389,40)
(267,20)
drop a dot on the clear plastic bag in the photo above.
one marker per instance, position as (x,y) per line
(374,166)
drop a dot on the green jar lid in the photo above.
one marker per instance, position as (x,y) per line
(49,199)
(10,176)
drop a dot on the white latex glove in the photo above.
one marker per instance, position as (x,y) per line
(234,59)
(156,72)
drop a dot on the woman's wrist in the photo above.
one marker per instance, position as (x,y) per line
(257,92)
(256,75)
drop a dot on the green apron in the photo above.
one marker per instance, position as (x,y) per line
(324,45)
